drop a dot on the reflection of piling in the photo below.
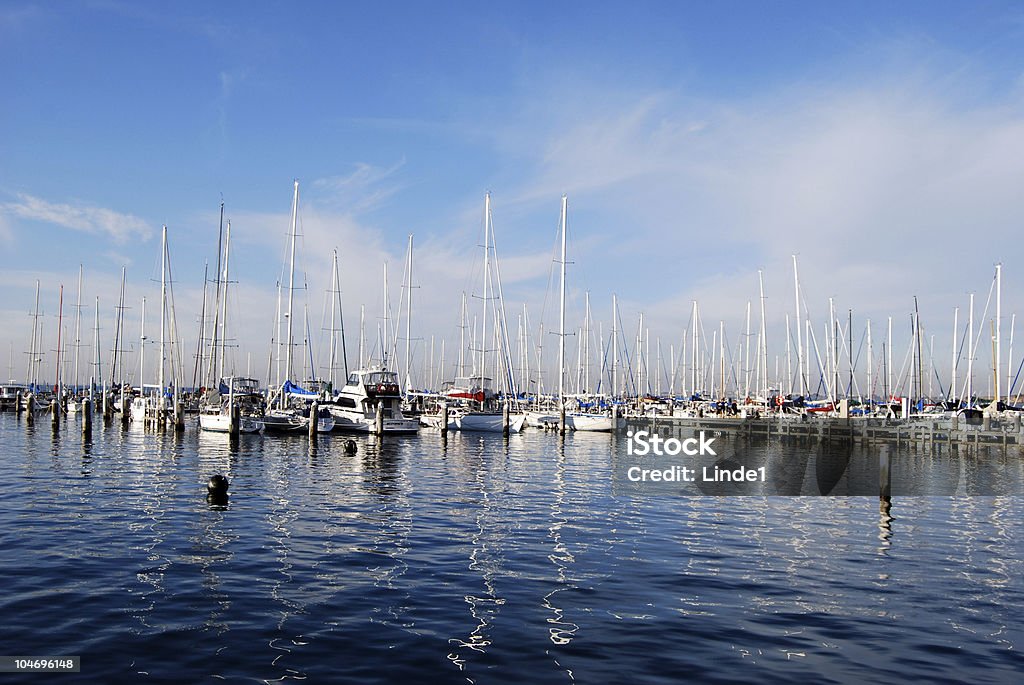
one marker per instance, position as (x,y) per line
(378,420)
(86,417)
(30,409)
(313,420)
(504,418)
(444,418)
(54,414)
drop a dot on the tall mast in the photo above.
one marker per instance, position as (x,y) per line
(487,278)
(561,314)
(96,343)
(408,318)
(117,331)
(332,356)
(386,339)
(999,338)
(224,304)
(953,362)
(202,328)
(215,369)
(163,307)
(890,389)
(799,331)
(746,358)
(586,344)
(362,336)
(78,325)
(462,338)
(763,336)
(871,368)
(33,353)
(970,353)
(291,286)
(60,323)
(142,346)
(615,346)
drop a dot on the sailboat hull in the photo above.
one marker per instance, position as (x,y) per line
(489,423)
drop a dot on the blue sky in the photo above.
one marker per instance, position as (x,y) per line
(698,142)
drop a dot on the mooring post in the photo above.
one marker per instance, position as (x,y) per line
(444,418)
(314,419)
(561,419)
(504,418)
(55,414)
(1015,422)
(378,420)
(17,404)
(179,416)
(235,422)
(86,417)
(30,409)
(986,421)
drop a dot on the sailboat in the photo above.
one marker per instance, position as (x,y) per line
(218,403)
(282,416)
(579,421)
(484,417)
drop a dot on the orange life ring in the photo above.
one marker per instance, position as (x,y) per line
(779,401)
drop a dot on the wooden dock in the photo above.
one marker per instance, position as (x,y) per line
(921,432)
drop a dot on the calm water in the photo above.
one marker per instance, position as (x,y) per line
(482,560)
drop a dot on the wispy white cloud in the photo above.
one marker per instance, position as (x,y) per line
(366,187)
(79,217)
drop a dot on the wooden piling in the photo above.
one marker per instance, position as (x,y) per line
(30,409)
(55,414)
(86,417)
(378,420)
(235,424)
(444,418)
(17,405)
(504,418)
(314,419)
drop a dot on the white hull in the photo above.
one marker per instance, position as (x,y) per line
(489,423)
(538,419)
(358,423)
(221,423)
(589,422)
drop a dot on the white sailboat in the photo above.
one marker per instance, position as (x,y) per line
(281,417)
(219,403)
(483,418)
(579,421)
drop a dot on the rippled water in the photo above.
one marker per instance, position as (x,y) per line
(483,560)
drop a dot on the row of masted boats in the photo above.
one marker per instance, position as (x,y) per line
(371,401)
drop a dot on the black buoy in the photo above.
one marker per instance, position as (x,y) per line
(350,447)
(217,490)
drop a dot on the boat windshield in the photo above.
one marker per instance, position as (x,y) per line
(379,377)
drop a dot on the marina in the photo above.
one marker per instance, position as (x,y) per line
(409,343)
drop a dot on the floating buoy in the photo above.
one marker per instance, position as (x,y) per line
(217,483)
(217,490)
(350,447)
